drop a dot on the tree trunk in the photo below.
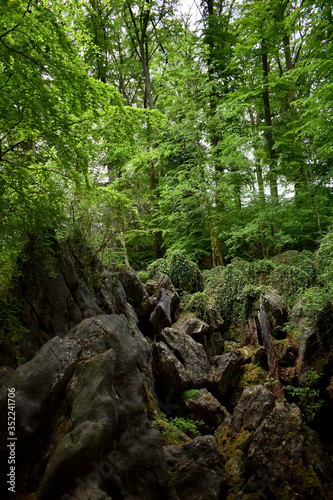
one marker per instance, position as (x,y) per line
(268,132)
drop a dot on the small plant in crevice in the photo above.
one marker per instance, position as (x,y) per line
(190,394)
(189,427)
(307,396)
(174,429)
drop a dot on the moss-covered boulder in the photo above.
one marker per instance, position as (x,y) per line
(184,273)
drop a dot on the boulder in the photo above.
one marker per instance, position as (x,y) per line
(81,417)
(112,297)
(52,298)
(163,281)
(284,456)
(224,368)
(190,325)
(180,362)
(196,470)
(271,453)
(255,404)
(160,318)
(215,344)
(207,408)
(134,289)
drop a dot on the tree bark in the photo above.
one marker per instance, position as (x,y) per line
(268,123)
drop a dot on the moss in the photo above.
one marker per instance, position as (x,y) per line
(198,304)
(324,263)
(149,402)
(233,446)
(190,394)
(184,273)
(157,268)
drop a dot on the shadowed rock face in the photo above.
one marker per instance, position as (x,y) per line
(196,470)
(79,405)
(180,361)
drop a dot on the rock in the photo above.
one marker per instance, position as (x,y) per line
(165,282)
(207,408)
(196,470)
(180,362)
(191,326)
(225,367)
(255,404)
(80,414)
(134,289)
(201,331)
(277,313)
(215,344)
(112,297)
(271,453)
(281,455)
(160,318)
(214,318)
(52,299)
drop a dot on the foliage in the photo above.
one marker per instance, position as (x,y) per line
(224,285)
(324,262)
(190,394)
(173,429)
(184,273)
(178,424)
(10,310)
(307,396)
(197,304)
(143,275)
(158,267)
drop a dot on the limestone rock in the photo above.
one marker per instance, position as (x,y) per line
(191,326)
(225,367)
(81,414)
(207,408)
(163,281)
(134,289)
(196,470)
(180,361)
(160,318)
(255,404)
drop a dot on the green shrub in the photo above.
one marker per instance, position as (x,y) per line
(307,396)
(190,394)
(324,262)
(143,275)
(157,268)
(184,273)
(197,304)
(224,286)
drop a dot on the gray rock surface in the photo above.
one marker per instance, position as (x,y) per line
(160,318)
(180,361)
(207,408)
(80,403)
(196,470)
(225,367)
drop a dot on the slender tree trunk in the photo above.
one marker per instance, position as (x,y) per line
(268,132)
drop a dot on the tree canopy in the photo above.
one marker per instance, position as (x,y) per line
(128,123)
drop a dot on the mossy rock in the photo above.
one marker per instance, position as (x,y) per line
(197,304)
(251,375)
(158,268)
(184,273)
(324,262)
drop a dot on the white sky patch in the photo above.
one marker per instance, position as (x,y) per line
(191,7)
